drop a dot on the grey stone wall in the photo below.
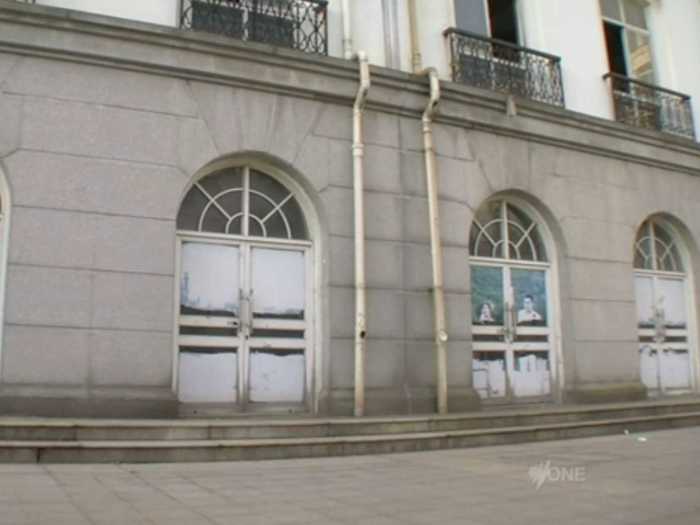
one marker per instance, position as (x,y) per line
(104,126)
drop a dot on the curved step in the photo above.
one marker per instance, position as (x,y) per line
(55,429)
(257,449)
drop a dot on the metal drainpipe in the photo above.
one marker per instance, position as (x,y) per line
(347,30)
(416,58)
(358,190)
(435,244)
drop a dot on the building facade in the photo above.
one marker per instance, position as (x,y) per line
(198,197)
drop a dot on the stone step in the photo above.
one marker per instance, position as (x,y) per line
(58,429)
(146,451)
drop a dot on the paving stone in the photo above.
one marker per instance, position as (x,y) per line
(484,486)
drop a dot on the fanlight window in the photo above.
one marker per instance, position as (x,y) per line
(656,249)
(242,201)
(503,231)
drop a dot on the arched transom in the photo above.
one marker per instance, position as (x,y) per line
(242,201)
(502,230)
(656,249)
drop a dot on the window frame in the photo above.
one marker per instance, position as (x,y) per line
(518,21)
(626,28)
(488,33)
(648,231)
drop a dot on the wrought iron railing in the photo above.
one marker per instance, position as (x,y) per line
(501,66)
(295,24)
(647,106)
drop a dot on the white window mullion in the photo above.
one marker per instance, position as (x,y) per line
(652,241)
(506,237)
(246,202)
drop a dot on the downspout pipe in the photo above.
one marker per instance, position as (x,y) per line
(416,58)
(440,324)
(347,30)
(358,197)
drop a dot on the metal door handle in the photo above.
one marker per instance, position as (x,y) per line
(660,325)
(507,313)
(245,311)
(250,311)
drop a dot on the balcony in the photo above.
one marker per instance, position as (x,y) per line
(501,66)
(647,106)
(294,24)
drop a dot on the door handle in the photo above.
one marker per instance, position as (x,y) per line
(660,325)
(244,322)
(250,311)
(507,314)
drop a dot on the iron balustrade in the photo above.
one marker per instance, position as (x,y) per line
(647,106)
(295,24)
(501,66)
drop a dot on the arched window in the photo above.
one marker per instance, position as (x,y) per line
(242,201)
(656,249)
(661,289)
(244,324)
(511,304)
(500,224)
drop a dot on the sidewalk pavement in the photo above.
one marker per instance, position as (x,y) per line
(647,479)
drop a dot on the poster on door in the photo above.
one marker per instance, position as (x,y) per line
(530,296)
(487,295)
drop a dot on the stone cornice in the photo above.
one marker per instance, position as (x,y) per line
(80,37)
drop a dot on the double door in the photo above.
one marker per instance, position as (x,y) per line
(664,349)
(243,335)
(511,331)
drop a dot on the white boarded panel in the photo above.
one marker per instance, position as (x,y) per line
(489,374)
(671,298)
(644,291)
(208,378)
(278,282)
(277,377)
(675,369)
(649,367)
(531,375)
(209,279)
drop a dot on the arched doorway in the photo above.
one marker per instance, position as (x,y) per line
(245,303)
(662,294)
(512,307)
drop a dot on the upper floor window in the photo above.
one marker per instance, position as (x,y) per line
(627,39)
(495,18)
